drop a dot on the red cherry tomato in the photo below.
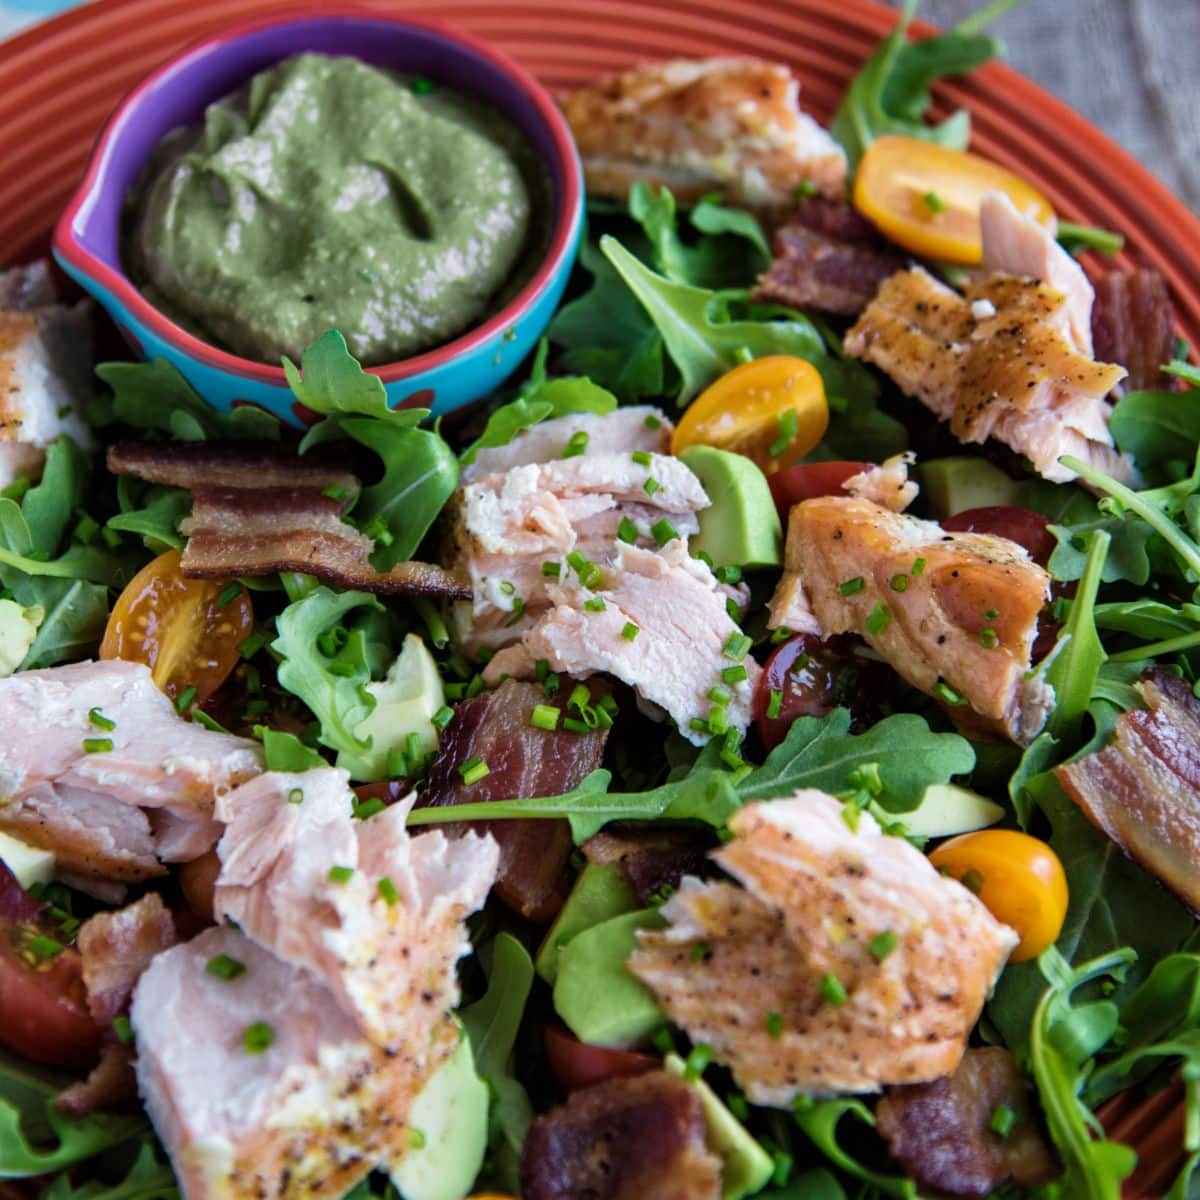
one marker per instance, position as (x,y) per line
(42,995)
(578,1064)
(809,480)
(1021,525)
(806,671)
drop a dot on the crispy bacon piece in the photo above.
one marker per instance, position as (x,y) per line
(650,859)
(639,1138)
(524,762)
(827,257)
(940,1132)
(1133,323)
(258,509)
(1143,789)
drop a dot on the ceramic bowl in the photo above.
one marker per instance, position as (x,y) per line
(87,237)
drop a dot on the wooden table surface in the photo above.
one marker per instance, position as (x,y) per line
(1132,67)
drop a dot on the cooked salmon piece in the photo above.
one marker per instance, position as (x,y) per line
(380,957)
(111,815)
(623,431)
(345,977)
(757,971)
(729,125)
(947,610)
(886,484)
(995,362)
(508,530)
(663,630)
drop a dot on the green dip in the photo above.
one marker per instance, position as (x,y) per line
(329,194)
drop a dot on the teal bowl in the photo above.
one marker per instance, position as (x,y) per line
(88,235)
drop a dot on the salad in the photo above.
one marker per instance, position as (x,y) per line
(752,756)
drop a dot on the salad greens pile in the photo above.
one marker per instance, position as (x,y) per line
(661,307)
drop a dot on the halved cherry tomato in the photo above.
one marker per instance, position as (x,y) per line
(806,481)
(926,197)
(198,882)
(1021,525)
(577,1064)
(178,627)
(772,410)
(1018,878)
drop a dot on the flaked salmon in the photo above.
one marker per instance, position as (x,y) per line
(731,125)
(112,804)
(281,1060)
(779,977)
(955,614)
(886,483)
(663,628)
(994,362)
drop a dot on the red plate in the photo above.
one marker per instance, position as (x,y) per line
(60,80)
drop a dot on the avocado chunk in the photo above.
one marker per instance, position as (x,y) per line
(747,1166)
(595,995)
(947,809)
(449,1121)
(952,485)
(741,527)
(600,892)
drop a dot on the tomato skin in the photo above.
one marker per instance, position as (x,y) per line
(178,628)
(741,411)
(808,690)
(1021,525)
(1018,878)
(807,481)
(577,1064)
(926,197)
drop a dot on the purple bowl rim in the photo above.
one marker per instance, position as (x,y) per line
(567,220)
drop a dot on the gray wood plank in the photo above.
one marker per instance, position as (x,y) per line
(1127,65)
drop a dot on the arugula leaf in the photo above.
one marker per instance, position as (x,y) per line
(813,1184)
(1063,1039)
(712,217)
(701,348)
(156,522)
(1127,559)
(891,95)
(492,1023)
(821,752)
(76,613)
(149,1177)
(36,1139)
(333,687)
(539,400)
(819,1120)
(155,397)
(1160,429)
(284,751)
(330,380)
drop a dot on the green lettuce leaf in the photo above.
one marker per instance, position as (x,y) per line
(819,1119)
(331,381)
(283,751)
(148,1177)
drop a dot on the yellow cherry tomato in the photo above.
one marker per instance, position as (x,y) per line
(1018,878)
(771,410)
(926,197)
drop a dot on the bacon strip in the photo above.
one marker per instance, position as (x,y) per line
(828,257)
(1143,789)
(261,509)
(1133,323)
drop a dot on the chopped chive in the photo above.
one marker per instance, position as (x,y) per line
(507,587)
(663,1042)
(551,570)
(334,491)
(972,880)
(630,631)
(743,354)
(663,531)
(717,721)
(296,796)
(123,1029)
(97,718)
(736,1103)
(851,586)
(988,638)
(780,635)
(719,695)
(1002,1121)
(85,529)
(627,531)
(698,1059)
(541,669)
(832,991)
(698,951)
(882,944)
(802,661)
(589,573)
(420,86)
(43,947)
(594,604)
(365,809)
(651,421)
(416,1139)
(387,889)
(730,573)
(878,619)
(97,745)
(804,190)
(698,724)
(580,697)
(774,704)
(185,699)
(576,445)
(774,1024)
(705,558)
(550,684)
(571,725)
(257,1037)
(934,202)
(397,765)
(731,608)
(442,717)
(641,458)
(608,704)
(789,427)
(737,647)
(518,611)
(473,770)
(252,645)
(783,1167)
(918,566)
(946,693)
(991,614)
(341,874)
(651,486)
(224,967)
(545,716)
(475,686)
(737,674)
(898,582)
